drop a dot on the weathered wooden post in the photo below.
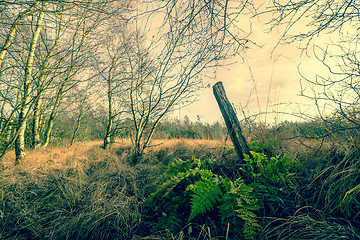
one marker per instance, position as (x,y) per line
(232,123)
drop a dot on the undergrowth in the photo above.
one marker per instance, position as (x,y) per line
(96,194)
(192,193)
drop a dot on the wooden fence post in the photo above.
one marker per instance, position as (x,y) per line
(232,123)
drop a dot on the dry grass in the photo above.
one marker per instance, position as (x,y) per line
(159,144)
(51,158)
(84,192)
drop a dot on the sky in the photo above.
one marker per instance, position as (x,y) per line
(267,81)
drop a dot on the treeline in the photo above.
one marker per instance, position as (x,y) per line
(92,128)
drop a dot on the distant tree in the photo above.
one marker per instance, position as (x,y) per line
(186,120)
(82,108)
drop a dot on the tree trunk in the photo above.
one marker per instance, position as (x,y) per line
(107,138)
(12,31)
(52,118)
(36,141)
(232,123)
(9,132)
(25,104)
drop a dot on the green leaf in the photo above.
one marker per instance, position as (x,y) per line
(350,192)
(206,194)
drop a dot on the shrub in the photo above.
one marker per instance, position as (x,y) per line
(273,182)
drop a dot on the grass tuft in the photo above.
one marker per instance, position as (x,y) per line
(89,194)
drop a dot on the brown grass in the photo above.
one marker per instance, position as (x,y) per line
(84,191)
(167,143)
(55,157)
(81,192)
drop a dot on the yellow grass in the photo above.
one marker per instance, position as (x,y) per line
(51,158)
(168,143)
(62,157)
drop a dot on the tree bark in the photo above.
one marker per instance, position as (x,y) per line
(25,104)
(109,127)
(36,141)
(12,31)
(232,123)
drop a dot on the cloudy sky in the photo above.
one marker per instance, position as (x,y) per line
(268,81)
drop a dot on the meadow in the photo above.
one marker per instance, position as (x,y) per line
(85,192)
(294,188)
(79,79)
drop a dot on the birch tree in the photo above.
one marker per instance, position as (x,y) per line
(82,46)
(43,79)
(49,54)
(27,89)
(10,35)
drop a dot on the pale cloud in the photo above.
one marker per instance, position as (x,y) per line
(272,85)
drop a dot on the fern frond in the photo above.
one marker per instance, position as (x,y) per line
(227,208)
(166,188)
(206,193)
(179,165)
(251,225)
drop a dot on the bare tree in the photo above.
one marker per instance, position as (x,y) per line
(54,60)
(304,21)
(81,108)
(194,38)
(12,17)
(83,44)
(27,89)
(112,75)
(10,35)
(43,80)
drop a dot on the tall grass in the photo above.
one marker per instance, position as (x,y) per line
(90,194)
(84,192)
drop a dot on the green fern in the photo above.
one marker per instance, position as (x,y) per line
(178,166)
(251,226)
(206,193)
(191,190)
(275,170)
(236,208)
